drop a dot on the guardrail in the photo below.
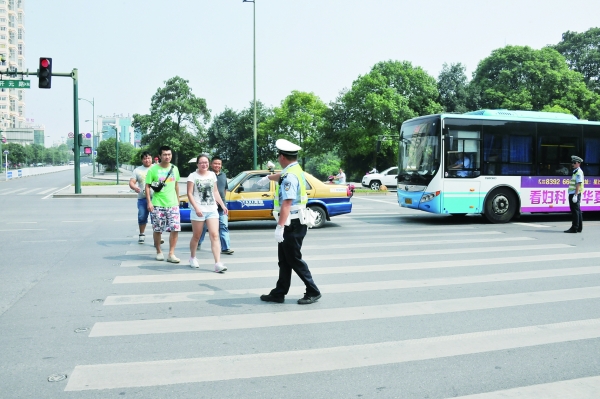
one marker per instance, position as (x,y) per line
(24,172)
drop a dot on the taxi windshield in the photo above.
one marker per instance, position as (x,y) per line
(236,180)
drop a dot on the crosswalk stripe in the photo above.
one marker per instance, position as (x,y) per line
(349,228)
(319,271)
(179,371)
(47,191)
(29,191)
(580,388)
(318,316)
(339,288)
(370,255)
(14,191)
(346,239)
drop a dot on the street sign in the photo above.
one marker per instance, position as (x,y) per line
(15,84)
(88,135)
(71,135)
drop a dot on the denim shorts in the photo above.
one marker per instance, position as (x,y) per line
(143,211)
(205,215)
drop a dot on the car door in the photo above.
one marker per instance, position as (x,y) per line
(389,180)
(250,201)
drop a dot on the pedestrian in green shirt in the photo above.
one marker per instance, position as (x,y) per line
(162,182)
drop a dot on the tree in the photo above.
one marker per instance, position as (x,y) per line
(452,85)
(231,137)
(376,105)
(107,153)
(176,119)
(519,77)
(16,153)
(582,52)
(301,118)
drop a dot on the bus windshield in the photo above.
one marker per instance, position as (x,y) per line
(419,151)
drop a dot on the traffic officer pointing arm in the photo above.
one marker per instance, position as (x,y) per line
(290,205)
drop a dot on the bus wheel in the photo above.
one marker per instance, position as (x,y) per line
(500,206)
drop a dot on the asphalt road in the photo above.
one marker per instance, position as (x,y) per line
(414,306)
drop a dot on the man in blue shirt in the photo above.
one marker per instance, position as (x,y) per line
(290,202)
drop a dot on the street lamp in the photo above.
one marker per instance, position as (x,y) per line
(254,66)
(117,145)
(93,134)
(6,165)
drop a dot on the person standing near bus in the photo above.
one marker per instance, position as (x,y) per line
(575,190)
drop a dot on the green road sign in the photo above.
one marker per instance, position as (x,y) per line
(15,84)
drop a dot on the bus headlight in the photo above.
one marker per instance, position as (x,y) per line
(429,196)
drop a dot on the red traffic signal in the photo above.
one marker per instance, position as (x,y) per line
(87,150)
(45,73)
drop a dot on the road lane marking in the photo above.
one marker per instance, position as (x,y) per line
(370,255)
(21,223)
(47,191)
(54,192)
(319,316)
(180,371)
(76,221)
(580,388)
(208,275)
(349,287)
(29,191)
(530,224)
(22,229)
(337,238)
(14,191)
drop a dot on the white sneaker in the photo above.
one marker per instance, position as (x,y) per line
(194,263)
(220,267)
(141,238)
(173,259)
(160,256)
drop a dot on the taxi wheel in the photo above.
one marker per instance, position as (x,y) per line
(321,216)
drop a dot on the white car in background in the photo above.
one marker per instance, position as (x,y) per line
(387,178)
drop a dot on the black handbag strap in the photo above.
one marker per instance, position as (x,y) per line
(169,174)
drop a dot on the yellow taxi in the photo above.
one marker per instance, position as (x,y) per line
(246,200)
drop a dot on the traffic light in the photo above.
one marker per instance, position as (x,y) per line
(3,138)
(45,73)
(87,150)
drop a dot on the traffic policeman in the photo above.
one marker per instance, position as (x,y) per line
(290,205)
(575,190)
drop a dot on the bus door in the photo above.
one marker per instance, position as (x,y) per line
(462,147)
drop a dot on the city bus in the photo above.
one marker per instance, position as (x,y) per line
(498,163)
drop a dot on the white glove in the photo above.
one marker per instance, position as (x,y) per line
(279,233)
(574,199)
(264,181)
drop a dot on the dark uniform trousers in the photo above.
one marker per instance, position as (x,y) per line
(577,223)
(290,258)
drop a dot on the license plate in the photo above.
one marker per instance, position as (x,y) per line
(408,201)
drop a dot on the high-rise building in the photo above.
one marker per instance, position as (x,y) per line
(12,58)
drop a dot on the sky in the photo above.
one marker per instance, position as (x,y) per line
(124,50)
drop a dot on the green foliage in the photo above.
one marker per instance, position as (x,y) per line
(322,166)
(16,153)
(301,119)
(519,77)
(107,153)
(176,119)
(452,86)
(231,137)
(582,52)
(376,105)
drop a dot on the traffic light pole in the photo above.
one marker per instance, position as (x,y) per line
(76,138)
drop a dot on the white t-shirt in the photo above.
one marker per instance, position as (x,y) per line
(139,175)
(341,178)
(203,191)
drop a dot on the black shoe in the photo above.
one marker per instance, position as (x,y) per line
(271,298)
(571,231)
(307,300)
(579,231)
